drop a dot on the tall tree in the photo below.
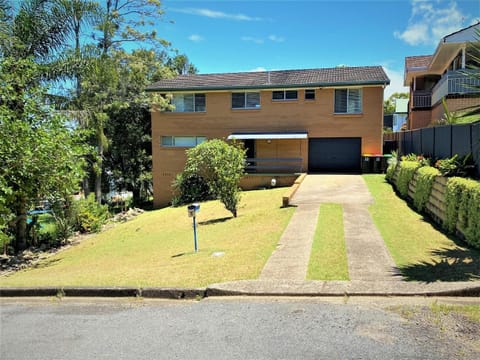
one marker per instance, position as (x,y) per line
(40,155)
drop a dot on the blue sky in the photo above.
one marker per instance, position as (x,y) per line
(231,36)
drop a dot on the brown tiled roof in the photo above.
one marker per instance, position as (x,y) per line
(421,61)
(275,79)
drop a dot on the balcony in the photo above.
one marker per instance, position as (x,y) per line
(456,82)
(422,99)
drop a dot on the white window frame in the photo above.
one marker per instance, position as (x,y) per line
(196,107)
(285,95)
(351,107)
(245,100)
(197,141)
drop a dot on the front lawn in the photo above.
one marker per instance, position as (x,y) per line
(156,248)
(420,250)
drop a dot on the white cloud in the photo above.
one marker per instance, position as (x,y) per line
(276,38)
(196,38)
(213,14)
(259,40)
(252,39)
(430,21)
(396,82)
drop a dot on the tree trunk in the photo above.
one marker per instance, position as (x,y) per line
(98,173)
(21,225)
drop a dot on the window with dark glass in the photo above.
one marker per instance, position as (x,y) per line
(309,94)
(282,95)
(348,101)
(246,100)
(188,102)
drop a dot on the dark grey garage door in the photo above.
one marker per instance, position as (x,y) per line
(334,154)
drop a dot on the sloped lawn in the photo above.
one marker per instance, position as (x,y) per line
(156,248)
(420,250)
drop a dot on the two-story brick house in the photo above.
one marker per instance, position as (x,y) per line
(445,74)
(290,121)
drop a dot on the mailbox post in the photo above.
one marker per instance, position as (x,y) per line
(192,212)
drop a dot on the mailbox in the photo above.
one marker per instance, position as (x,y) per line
(193,209)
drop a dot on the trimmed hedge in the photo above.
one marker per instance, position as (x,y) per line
(405,175)
(425,178)
(463,208)
(462,198)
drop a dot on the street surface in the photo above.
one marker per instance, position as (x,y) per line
(222,328)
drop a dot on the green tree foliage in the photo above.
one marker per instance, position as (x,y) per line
(221,165)
(41,157)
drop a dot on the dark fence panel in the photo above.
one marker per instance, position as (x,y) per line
(460,140)
(417,142)
(443,141)
(428,141)
(475,137)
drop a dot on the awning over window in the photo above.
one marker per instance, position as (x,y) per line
(268,135)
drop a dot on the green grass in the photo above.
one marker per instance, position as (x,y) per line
(156,248)
(328,259)
(420,250)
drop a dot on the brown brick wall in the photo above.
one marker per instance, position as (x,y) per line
(316,117)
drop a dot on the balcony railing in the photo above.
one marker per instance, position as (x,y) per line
(456,82)
(269,165)
(422,99)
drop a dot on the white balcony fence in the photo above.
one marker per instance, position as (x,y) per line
(456,82)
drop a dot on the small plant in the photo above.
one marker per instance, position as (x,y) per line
(456,166)
(90,215)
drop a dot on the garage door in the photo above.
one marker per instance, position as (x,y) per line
(334,154)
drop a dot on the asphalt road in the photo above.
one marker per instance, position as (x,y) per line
(236,328)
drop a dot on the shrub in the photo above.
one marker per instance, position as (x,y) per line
(221,165)
(463,208)
(90,215)
(425,177)
(190,188)
(405,175)
(456,166)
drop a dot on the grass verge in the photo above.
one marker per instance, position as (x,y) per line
(420,250)
(328,259)
(156,248)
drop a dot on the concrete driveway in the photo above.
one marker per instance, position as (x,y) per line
(368,257)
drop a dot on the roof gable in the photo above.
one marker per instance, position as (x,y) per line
(275,79)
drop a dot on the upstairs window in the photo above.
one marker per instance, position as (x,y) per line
(348,101)
(283,95)
(310,94)
(188,102)
(246,100)
(182,141)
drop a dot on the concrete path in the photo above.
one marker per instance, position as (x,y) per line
(368,258)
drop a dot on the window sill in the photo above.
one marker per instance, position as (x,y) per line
(348,114)
(247,109)
(284,101)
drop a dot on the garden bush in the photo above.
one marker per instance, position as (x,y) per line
(189,188)
(425,178)
(90,215)
(405,175)
(463,208)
